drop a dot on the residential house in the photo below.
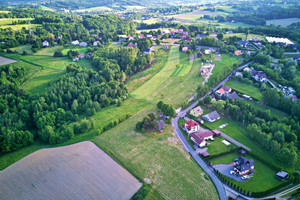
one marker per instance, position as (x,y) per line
(237,52)
(242,43)
(191,126)
(161,125)
(122,40)
(46,43)
(196,112)
(239,74)
(247,69)
(282,175)
(129,37)
(96,43)
(207,135)
(223,90)
(131,45)
(198,140)
(165,32)
(241,152)
(59,37)
(243,165)
(83,44)
(199,54)
(233,96)
(188,39)
(207,51)
(80,56)
(148,51)
(213,33)
(75,59)
(75,42)
(229,32)
(141,36)
(211,117)
(166,47)
(259,76)
(184,49)
(293,97)
(149,36)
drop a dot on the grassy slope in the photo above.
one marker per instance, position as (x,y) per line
(227,61)
(245,88)
(159,158)
(185,65)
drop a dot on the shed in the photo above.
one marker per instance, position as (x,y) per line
(282,175)
(216,133)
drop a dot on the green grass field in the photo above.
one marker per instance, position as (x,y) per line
(22,48)
(161,159)
(263,177)
(241,35)
(216,147)
(185,65)
(46,8)
(9,21)
(277,113)
(227,61)
(245,88)
(52,67)
(94,9)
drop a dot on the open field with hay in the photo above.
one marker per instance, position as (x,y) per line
(283,22)
(78,171)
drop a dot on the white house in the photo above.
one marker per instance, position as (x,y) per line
(198,140)
(75,42)
(96,43)
(83,44)
(191,126)
(207,51)
(46,43)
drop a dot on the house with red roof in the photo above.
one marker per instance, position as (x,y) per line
(207,135)
(131,45)
(184,49)
(141,36)
(191,126)
(223,90)
(130,37)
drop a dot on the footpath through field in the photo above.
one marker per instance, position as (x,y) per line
(150,86)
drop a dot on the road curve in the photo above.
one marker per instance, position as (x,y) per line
(218,184)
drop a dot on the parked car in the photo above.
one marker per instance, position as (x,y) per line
(232,172)
(245,177)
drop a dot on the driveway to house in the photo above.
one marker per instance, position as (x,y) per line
(234,141)
(221,188)
(225,170)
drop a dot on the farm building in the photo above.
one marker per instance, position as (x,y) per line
(280,41)
(196,112)
(243,165)
(191,126)
(211,117)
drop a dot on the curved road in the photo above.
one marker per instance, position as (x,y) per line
(218,184)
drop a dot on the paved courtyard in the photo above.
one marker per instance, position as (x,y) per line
(225,170)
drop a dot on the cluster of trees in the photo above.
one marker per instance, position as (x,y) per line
(50,116)
(117,63)
(167,109)
(277,135)
(147,123)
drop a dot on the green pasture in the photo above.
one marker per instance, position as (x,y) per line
(246,89)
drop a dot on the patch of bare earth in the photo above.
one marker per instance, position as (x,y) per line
(79,171)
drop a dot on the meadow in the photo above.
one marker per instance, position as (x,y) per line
(283,22)
(94,9)
(245,88)
(185,65)
(226,62)
(9,21)
(217,147)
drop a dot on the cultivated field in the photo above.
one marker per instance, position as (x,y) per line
(283,22)
(5,61)
(78,171)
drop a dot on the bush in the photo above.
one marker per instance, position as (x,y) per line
(58,53)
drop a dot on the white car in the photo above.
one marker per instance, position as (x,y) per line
(245,177)
(232,172)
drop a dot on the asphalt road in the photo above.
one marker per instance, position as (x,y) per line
(218,184)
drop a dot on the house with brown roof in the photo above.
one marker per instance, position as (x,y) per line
(243,165)
(207,135)
(198,140)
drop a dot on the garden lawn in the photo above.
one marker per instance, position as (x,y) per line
(245,88)
(237,131)
(262,179)
(217,147)
(226,62)
(161,159)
